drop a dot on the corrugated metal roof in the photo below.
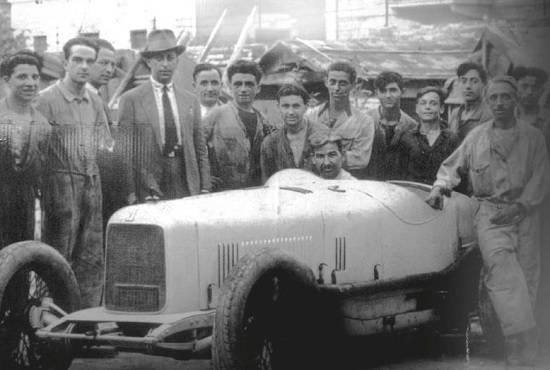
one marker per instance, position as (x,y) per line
(412,64)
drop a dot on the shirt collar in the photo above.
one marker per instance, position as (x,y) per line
(159,86)
(92,88)
(384,121)
(326,106)
(442,130)
(477,111)
(69,96)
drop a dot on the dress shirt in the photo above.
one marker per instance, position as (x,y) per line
(92,88)
(158,91)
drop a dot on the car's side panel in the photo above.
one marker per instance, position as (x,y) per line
(287,220)
(356,231)
(353,231)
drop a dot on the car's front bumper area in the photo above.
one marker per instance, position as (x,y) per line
(186,335)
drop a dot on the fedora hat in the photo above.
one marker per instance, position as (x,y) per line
(159,41)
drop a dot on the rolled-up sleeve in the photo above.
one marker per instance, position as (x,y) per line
(448,175)
(358,155)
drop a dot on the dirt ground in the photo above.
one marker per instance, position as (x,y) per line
(402,354)
(142,362)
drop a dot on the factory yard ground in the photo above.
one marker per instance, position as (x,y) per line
(408,353)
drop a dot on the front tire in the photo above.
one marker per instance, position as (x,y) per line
(29,272)
(265,314)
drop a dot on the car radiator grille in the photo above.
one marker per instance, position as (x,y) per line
(135,275)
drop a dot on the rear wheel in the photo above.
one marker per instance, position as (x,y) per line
(31,275)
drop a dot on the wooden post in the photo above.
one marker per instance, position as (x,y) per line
(313,48)
(237,49)
(211,38)
(387,5)
(337,18)
(484,56)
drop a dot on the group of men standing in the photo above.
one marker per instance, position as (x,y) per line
(180,144)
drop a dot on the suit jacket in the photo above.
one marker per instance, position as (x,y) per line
(233,160)
(138,117)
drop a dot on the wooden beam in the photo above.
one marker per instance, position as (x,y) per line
(211,38)
(313,48)
(242,37)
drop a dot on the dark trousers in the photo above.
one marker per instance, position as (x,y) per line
(73,225)
(543,303)
(173,180)
(16,211)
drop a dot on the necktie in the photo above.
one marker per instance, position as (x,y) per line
(170,132)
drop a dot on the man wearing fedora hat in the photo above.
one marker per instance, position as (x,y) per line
(171,160)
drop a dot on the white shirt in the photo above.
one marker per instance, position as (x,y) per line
(92,88)
(205,110)
(157,91)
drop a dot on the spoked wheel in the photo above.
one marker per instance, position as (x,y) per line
(268,332)
(32,276)
(266,316)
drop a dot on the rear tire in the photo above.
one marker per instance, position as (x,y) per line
(30,271)
(265,318)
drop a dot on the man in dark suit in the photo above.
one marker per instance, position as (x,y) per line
(170,159)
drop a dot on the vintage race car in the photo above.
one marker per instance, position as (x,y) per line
(255,278)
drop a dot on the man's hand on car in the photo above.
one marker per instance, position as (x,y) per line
(131,199)
(435,199)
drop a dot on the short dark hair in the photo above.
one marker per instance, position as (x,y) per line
(387,77)
(246,67)
(468,66)
(540,75)
(343,67)
(435,89)
(85,41)
(292,89)
(201,67)
(104,44)
(11,61)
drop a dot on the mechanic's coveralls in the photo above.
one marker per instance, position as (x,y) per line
(72,197)
(22,148)
(505,167)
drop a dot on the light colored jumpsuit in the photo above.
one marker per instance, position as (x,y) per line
(505,167)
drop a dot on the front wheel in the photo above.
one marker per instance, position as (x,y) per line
(265,315)
(32,273)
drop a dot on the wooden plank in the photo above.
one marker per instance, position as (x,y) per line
(211,38)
